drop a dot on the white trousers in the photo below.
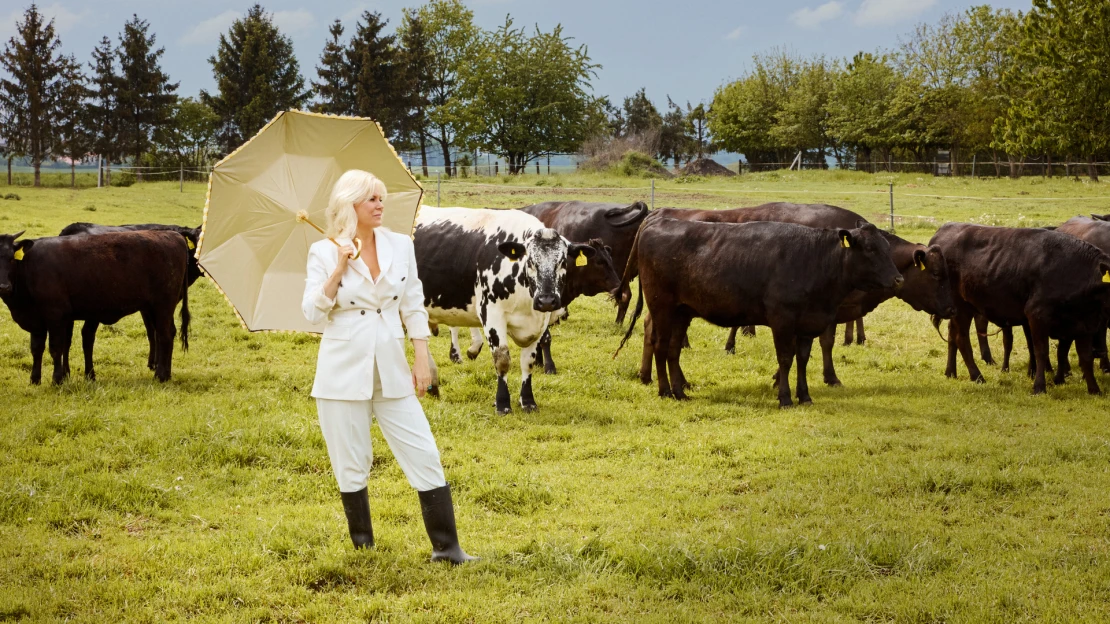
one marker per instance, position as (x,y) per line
(346,429)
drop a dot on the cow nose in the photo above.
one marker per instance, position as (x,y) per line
(898,281)
(5,289)
(546,303)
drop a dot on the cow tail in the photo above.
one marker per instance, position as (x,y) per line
(631,270)
(185,316)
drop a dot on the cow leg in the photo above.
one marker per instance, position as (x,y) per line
(88,339)
(982,327)
(748,330)
(805,346)
(61,336)
(674,354)
(950,367)
(861,337)
(164,333)
(827,341)
(527,361)
(433,391)
(1032,370)
(455,354)
(498,338)
(1007,347)
(963,343)
(151,339)
(543,354)
(1085,350)
(848,334)
(1063,366)
(1100,350)
(786,342)
(660,346)
(38,347)
(475,343)
(1039,334)
(730,343)
(649,351)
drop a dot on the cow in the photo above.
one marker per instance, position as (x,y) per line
(48,283)
(500,270)
(790,277)
(925,277)
(592,278)
(614,224)
(1050,283)
(192,237)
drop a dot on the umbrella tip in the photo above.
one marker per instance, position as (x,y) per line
(302,215)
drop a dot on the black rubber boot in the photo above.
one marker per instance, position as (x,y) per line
(357,507)
(439,520)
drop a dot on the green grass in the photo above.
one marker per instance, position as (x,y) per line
(903,496)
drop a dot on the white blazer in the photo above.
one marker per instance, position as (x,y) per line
(364,320)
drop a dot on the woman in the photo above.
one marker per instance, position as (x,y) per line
(362,371)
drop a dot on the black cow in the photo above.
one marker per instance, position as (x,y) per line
(1050,283)
(790,277)
(923,270)
(614,224)
(48,283)
(192,239)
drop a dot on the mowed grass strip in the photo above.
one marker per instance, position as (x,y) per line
(903,496)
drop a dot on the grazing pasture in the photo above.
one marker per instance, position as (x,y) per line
(903,496)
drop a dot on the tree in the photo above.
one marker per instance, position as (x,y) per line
(674,142)
(451,38)
(75,136)
(145,96)
(334,90)
(376,73)
(640,115)
(30,97)
(527,96)
(191,133)
(103,107)
(257,76)
(697,124)
(860,113)
(416,58)
(801,121)
(743,113)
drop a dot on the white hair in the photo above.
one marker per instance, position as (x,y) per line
(353,187)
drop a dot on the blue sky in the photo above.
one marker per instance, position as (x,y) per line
(684,50)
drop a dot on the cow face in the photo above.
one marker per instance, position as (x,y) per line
(867,258)
(595,274)
(926,285)
(11,252)
(545,254)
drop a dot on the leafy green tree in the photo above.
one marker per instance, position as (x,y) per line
(800,124)
(257,76)
(145,96)
(75,135)
(451,38)
(697,124)
(103,107)
(334,90)
(640,115)
(527,96)
(416,58)
(377,73)
(30,95)
(744,113)
(860,111)
(674,141)
(191,133)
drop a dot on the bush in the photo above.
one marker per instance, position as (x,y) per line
(640,165)
(123,178)
(12,196)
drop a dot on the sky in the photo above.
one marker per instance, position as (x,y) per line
(669,48)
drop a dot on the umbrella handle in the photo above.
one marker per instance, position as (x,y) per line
(302,216)
(358,248)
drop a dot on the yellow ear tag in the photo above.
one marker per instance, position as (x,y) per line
(1106,276)
(512,255)
(922,266)
(845,242)
(580,260)
(19,256)
(190,244)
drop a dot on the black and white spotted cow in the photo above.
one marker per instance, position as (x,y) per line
(500,270)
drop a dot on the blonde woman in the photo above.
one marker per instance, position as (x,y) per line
(362,371)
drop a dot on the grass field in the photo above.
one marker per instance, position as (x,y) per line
(902,497)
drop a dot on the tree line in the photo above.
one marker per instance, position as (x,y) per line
(986,83)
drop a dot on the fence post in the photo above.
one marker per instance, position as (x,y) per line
(549,164)
(537,167)
(99,170)
(437,189)
(891,207)
(181,177)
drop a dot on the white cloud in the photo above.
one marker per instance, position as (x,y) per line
(811,19)
(294,22)
(735,34)
(209,31)
(64,20)
(883,12)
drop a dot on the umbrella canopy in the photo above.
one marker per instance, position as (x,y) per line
(252,245)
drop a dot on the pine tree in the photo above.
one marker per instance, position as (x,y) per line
(334,90)
(376,72)
(75,139)
(104,117)
(416,58)
(257,76)
(145,95)
(30,96)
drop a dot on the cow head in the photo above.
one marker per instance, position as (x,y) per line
(926,286)
(11,253)
(594,275)
(867,258)
(545,255)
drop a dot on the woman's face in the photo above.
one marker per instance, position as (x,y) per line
(369,211)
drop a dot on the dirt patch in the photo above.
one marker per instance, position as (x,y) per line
(706,167)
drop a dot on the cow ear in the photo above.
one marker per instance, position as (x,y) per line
(919,259)
(576,249)
(860,224)
(22,247)
(1104,270)
(846,238)
(512,250)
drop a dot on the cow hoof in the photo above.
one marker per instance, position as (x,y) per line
(529,408)
(1094,391)
(1059,379)
(549,370)
(504,410)
(988,360)
(980,380)
(473,354)
(90,376)
(645,379)
(835,383)
(665,394)
(36,382)
(455,357)
(1005,369)
(805,401)
(731,351)
(1037,391)
(950,374)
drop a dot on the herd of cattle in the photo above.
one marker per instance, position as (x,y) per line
(799,269)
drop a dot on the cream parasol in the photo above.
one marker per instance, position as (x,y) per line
(253,245)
